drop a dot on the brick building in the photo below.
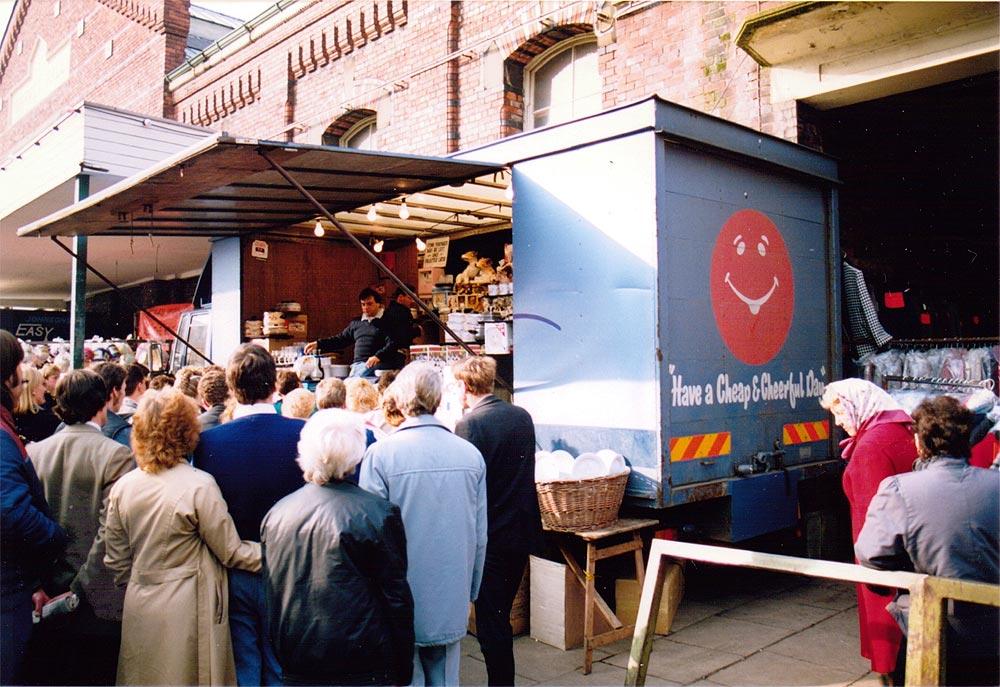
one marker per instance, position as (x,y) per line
(860,80)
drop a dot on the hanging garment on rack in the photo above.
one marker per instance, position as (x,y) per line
(863,326)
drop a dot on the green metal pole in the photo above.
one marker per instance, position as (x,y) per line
(78,288)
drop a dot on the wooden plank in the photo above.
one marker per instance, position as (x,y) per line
(601,604)
(618,527)
(924,651)
(645,621)
(617,549)
(612,636)
(845,572)
(588,612)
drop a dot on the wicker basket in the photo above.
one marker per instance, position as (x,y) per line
(583,504)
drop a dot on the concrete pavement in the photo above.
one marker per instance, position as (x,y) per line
(734,627)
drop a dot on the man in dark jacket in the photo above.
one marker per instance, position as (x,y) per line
(505,435)
(252,458)
(213,392)
(340,611)
(374,348)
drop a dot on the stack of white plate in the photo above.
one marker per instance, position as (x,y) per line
(560,465)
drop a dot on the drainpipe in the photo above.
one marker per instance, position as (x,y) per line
(452,97)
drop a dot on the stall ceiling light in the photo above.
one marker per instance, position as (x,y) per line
(372,214)
(420,244)
(318,230)
(379,245)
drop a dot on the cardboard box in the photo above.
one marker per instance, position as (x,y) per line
(627,593)
(518,612)
(556,600)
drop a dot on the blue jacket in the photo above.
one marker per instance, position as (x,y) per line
(118,429)
(30,539)
(253,461)
(438,480)
(942,520)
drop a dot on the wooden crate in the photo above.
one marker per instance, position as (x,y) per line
(556,600)
(518,612)
(627,593)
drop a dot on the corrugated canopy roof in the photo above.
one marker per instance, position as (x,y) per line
(225,186)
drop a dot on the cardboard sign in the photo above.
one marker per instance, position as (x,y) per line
(753,292)
(436,253)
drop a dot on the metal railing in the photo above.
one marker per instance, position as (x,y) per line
(924,652)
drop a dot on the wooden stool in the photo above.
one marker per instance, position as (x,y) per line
(592,599)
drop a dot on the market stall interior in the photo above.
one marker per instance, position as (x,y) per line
(282,217)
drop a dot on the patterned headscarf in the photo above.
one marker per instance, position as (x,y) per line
(863,406)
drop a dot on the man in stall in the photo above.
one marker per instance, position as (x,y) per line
(374,347)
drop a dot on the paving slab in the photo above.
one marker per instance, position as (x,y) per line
(826,648)
(843,623)
(870,679)
(823,593)
(681,663)
(691,612)
(730,635)
(766,668)
(540,662)
(603,674)
(473,672)
(778,613)
(470,647)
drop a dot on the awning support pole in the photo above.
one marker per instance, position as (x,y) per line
(373,259)
(78,285)
(83,261)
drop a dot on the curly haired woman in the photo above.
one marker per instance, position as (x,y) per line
(170,538)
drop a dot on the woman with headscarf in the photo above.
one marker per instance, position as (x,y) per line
(879,444)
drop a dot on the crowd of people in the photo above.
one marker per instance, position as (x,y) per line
(210,538)
(233,527)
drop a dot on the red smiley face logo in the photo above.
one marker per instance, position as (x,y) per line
(753,293)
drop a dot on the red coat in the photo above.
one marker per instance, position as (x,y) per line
(879,451)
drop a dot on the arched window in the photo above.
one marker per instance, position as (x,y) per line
(563,83)
(356,129)
(360,136)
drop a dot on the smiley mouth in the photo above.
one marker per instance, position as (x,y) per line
(752,303)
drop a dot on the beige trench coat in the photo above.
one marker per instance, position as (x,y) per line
(168,536)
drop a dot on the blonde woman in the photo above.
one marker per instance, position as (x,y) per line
(300,403)
(34,419)
(170,537)
(362,396)
(50,377)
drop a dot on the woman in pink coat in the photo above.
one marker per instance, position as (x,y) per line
(879,444)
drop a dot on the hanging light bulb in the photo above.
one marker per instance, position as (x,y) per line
(420,244)
(404,212)
(372,213)
(318,230)
(378,246)
(509,192)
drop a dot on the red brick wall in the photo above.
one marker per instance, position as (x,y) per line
(131,79)
(308,73)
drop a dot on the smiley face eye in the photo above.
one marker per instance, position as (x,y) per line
(741,247)
(761,249)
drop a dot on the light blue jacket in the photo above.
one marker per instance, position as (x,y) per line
(438,480)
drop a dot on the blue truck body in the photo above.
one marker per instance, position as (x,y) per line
(677,299)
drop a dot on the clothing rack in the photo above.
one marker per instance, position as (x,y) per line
(938,381)
(946,342)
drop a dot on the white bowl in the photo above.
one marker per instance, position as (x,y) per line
(546,470)
(614,463)
(564,460)
(588,466)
